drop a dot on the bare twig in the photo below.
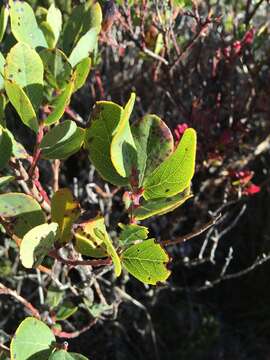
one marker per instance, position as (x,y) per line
(6,291)
(97,262)
(72,335)
(258,262)
(193,234)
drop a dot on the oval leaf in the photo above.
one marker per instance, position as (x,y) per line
(4,14)
(161,206)
(86,241)
(24,26)
(22,104)
(37,243)
(24,67)
(33,340)
(70,143)
(98,137)
(57,68)
(147,262)
(123,150)
(84,47)
(81,73)
(175,173)
(59,104)
(110,250)
(154,143)
(6,147)
(24,209)
(65,211)
(54,18)
(131,233)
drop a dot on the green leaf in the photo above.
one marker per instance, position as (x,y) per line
(4,14)
(2,64)
(154,143)
(25,68)
(33,340)
(98,137)
(96,310)
(5,148)
(54,296)
(161,206)
(175,173)
(95,16)
(37,243)
(86,241)
(59,104)
(62,141)
(3,103)
(48,33)
(83,18)
(132,233)
(57,68)
(18,149)
(4,180)
(22,104)
(66,310)
(123,149)
(147,262)
(64,355)
(24,26)
(25,210)
(73,28)
(54,18)
(65,211)
(81,73)
(84,47)
(110,250)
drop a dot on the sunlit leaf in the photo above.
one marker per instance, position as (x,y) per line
(87,242)
(59,104)
(84,47)
(154,143)
(131,233)
(147,261)
(123,149)
(98,137)
(110,250)
(65,146)
(37,243)
(24,211)
(57,68)
(4,14)
(175,173)
(24,26)
(161,206)
(30,78)
(65,211)
(48,33)
(32,340)
(54,18)
(81,73)
(22,104)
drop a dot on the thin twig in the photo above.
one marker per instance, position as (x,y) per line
(72,335)
(6,291)
(193,234)
(96,262)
